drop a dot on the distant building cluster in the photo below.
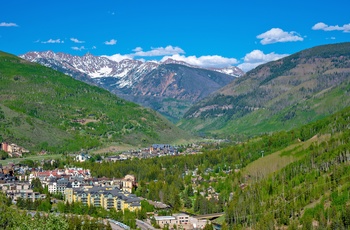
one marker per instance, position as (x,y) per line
(75,183)
(162,149)
(57,180)
(13,150)
(155,150)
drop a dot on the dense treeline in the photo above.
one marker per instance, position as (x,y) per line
(79,209)
(319,179)
(12,218)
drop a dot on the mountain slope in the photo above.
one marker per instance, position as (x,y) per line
(312,192)
(135,80)
(283,94)
(44,109)
(172,88)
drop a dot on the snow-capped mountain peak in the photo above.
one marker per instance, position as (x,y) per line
(149,83)
(126,71)
(231,70)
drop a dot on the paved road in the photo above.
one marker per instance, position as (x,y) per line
(144,225)
(115,227)
(209,216)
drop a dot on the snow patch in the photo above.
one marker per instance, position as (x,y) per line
(103,72)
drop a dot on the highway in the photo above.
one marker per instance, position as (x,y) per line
(118,225)
(144,225)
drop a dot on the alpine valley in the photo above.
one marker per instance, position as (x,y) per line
(293,176)
(170,87)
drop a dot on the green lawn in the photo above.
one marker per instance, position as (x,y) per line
(34,158)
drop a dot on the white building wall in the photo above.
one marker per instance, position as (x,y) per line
(52,187)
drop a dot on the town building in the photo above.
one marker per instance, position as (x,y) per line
(163,149)
(128,183)
(163,221)
(22,190)
(13,150)
(108,197)
(181,221)
(82,157)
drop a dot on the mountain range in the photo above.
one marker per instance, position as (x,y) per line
(43,109)
(278,95)
(170,87)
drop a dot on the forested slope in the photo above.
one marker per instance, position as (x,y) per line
(42,109)
(279,95)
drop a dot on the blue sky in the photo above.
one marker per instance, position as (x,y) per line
(205,33)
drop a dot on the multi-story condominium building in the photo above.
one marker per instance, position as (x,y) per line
(107,197)
(62,184)
(20,190)
(128,183)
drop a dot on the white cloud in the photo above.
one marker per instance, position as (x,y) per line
(78,48)
(94,47)
(137,49)
(159,51)
(111,42)
(256,58)
(250,61)
(322,26)
(8,24)
(75,40)
(154,52)
(118,57)
(278,35)
(319,26)
(211,61)
(53,41)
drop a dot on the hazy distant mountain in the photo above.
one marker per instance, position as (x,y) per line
(279,95)
(170,87)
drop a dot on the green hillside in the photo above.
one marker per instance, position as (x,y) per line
(42,109)
(311,191)
(279,95)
